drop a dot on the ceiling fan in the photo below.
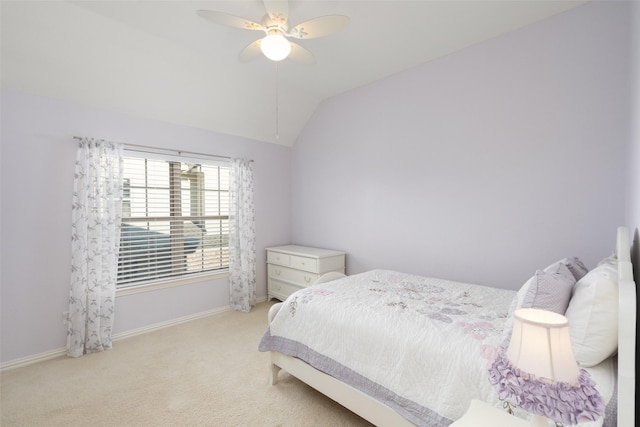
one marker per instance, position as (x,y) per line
(275,24)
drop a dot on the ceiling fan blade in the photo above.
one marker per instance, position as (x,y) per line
(319,27)
(301,55)
(278,11)
(229,20)
(251,52)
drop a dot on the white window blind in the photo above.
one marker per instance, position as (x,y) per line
(175,219)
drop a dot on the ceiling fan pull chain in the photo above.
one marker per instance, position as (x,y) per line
(277,105)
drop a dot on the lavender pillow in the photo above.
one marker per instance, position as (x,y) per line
(550,289)
(576,267)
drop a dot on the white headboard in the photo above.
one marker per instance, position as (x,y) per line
(626,332)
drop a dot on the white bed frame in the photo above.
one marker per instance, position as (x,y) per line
(626,331)
(381,415)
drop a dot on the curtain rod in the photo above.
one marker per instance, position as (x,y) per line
(178,152)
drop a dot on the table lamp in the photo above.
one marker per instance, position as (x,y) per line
(539,372)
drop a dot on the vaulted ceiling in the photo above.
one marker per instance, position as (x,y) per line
(159,59)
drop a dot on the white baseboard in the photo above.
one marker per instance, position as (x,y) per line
(166,324)
(52,354)
(30,360)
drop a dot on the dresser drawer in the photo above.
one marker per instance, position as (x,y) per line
(304,263)
(290,275)
(281,290)
(278,258)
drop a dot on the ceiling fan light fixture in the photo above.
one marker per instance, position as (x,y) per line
(275,46)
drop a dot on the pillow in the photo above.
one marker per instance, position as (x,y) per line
(548,289)
(575,266)
(611,259)
(593,314)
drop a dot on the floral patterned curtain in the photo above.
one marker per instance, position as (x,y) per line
(96,214)
(242,237)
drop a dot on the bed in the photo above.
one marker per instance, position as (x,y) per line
(399,349)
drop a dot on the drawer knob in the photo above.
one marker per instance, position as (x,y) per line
(278,271)
(307,279)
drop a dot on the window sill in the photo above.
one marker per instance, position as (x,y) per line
(170,283)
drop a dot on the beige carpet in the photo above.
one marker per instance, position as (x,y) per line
(207,372)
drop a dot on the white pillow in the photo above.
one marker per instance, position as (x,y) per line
(593,314)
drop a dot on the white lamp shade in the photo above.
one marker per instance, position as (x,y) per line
(275,46)
(540,345)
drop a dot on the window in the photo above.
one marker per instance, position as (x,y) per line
(175,220)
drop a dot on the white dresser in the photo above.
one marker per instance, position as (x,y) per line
(293,267)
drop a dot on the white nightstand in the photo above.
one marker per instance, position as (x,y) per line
(481,414)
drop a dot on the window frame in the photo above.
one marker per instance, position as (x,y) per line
(178,279)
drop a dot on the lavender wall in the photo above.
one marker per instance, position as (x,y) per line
(634,216)
(480,166)
(38,155)
(634,158)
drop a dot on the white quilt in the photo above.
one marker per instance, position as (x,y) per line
(421,345)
